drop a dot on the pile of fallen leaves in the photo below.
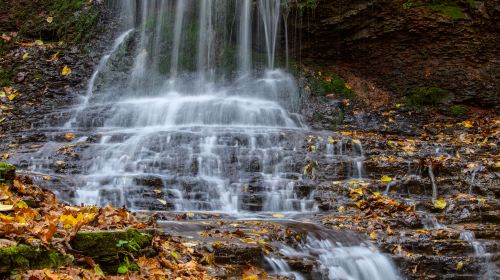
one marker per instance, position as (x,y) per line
(372,212)
(32,216)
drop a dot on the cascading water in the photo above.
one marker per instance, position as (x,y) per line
(188,112)
(218,137)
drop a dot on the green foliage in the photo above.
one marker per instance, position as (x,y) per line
(336,84)
(409,5)
(426,96)
(458,111)
(5,77)
(453,12)
(131,246)
(127,266)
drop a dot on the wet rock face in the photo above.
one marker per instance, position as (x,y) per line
(402,47)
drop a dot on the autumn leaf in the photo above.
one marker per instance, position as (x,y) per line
(460,265)
(69,136)
(440,204)
(50,19)
(278,215)
(25,56)
(386,179)
(373,235)
(39,42)
(467,124)
(54,57)
(66,71)
(164,202)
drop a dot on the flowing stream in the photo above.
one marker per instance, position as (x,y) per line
(190,111)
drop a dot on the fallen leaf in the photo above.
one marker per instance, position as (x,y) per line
(440,204)
(278,215)
(69,136)
(50,19)
(25,56)
(39,42)
(373,235)
(468,124)
(386,179)
(164,202)
(460,265)
(66,71)
(5,208)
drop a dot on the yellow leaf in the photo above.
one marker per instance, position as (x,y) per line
(358,191)
(355,141)
(50,19)
(21,204)
(25,56)
(164,202)
(460,265)
(497,164)
(251,277)
(12,96)
(54,57)
(373,235)
(440,204)
(341,209)
(5,156)
(331,140)
(278,215)
(66,70)
(386,179)
(348,86)
(468,124)
(398,105)
(39,42)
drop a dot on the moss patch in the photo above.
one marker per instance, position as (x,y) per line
(426,96)
(5,76)
(102,246)
(23,257)
(7,172)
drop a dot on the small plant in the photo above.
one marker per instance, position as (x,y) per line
(129,246)
(127,249)
(449,8)
(127,266)
(426,96)
(5,77)
(409,5)
(458,111)
(335,84)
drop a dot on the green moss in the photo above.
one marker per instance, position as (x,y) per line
(453,12)
(336,84)
(23,257)
(102,246)
(7,172)
(5,77)
(458,111)
(426,96)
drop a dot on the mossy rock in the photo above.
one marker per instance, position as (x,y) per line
(102,247)
(7,172)
(23,257)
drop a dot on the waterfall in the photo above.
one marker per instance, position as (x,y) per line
(209,140)
(245,40)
